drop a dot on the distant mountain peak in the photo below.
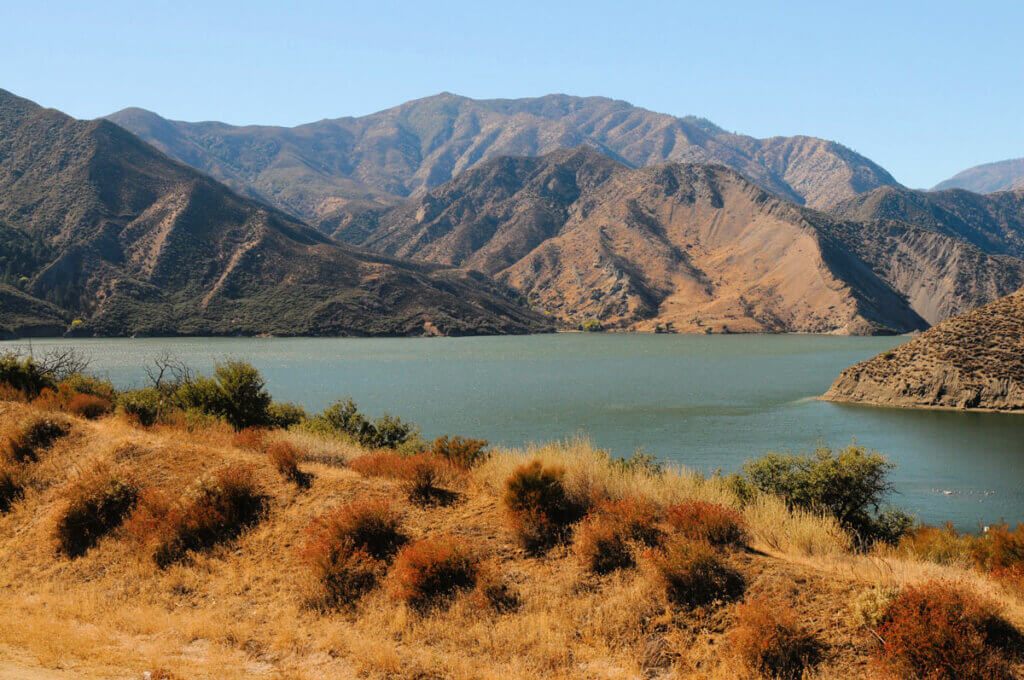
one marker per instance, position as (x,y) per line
(987,178)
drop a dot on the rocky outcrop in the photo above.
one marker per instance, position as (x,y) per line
(972,361)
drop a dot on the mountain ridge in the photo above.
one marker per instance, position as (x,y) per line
(988,177)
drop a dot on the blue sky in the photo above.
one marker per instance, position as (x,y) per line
(923,88)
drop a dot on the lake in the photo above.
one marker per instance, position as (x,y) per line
(705,401)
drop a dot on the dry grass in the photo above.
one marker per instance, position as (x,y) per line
(239,608)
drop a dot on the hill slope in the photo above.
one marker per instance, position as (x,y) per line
(975,360)
(993,222)
(316,170)
(101,225)
(987,178)
(687,247)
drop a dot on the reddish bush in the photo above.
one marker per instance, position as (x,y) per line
(539,509)
(423,473)
(216,509)
(347,551)
(770,641)
(50,400)
(379,464)
(430,571)
(704,521)
(250,438)
(693,574)
(89,406)
(638,518)
(95,505)
(938,632)
(1001,551)
(23,441)
(285,458)
(462,452)
(602,544)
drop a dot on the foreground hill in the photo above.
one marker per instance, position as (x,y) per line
(987,178)
(99,228)
(315,171)
(691,248)
(96,586)
(993,222)
(975,360)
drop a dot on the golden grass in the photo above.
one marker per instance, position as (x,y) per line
(238,610)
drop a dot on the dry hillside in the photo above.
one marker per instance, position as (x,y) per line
(975,360)
(240,608)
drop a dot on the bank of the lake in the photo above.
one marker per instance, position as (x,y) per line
(705,401)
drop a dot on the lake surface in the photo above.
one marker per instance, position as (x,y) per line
(705,401)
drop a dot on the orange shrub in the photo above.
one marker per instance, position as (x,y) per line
(704,521)
(432,570)
(10,488)
(216,509)
(347,550)
(692,574)
(95,505)
(1001,551)
(379,464)
(539,509)
(769,640)
(602,544)
(250,438)
(285,458)
(22,441)
(638,518)
(50,400)
(938,632)
(460,451)
(423,473)
(9,392)
(88,406)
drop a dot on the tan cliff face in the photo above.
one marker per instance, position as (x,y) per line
(132,242)
(321,170)
(689,248)
(975,361)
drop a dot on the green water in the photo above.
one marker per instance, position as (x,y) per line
(709,402)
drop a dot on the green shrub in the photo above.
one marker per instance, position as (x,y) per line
(24,375)
(463,452)
(284,414)
(84,384)
(145,406)
(236,393)
(343,418)
(850,486)
(639,463)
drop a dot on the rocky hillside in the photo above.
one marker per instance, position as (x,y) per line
(319,171)
(987,178)
(975,360)
(691,248)
(993,222)
(101,230)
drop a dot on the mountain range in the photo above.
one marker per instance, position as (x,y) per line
(987,178)
(101,231)
(318,170)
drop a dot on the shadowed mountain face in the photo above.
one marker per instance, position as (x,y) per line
(320,171)
(993,222)
(975,360)
(987,178)
(99,226)
(692,248)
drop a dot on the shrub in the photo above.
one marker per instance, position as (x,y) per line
(95,506)
(538,506)
(144,406)
(463,452)
(235,393)
(424,475)
(638,518)
(639,463)
(24,375)
(848,485)
(1000,548)
(84,384)
(284,414)
(769,640)
(432,570)
(24,440)
(285,457)
(704,521)
(216,509)
(602,546)
(343,418)
(347,549)
(693,574)
(88,406)
(942,545)
(939,632)
(10,488)
(379,464)
(250,438)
